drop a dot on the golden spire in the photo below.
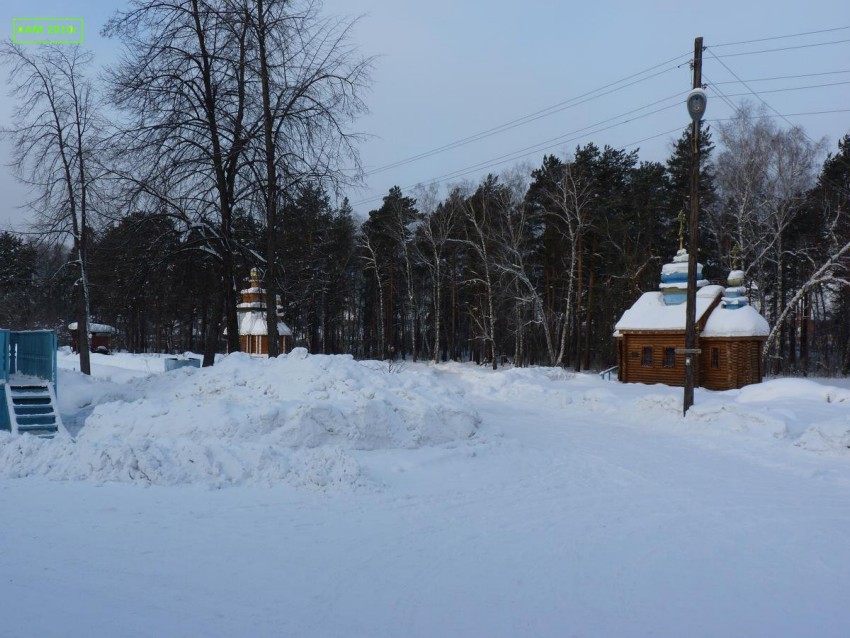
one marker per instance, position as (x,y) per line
(736,257)
(682,218)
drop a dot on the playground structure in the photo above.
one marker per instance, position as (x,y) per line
(28,383)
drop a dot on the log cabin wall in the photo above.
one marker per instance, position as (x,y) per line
(731,363)
(662,367)
(259,344)
(724,364)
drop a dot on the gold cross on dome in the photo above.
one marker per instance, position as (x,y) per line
(681,230)
(736,257)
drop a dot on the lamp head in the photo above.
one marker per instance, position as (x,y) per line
(696,102)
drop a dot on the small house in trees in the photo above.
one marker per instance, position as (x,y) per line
(730,333)
(101,337)
(251,319)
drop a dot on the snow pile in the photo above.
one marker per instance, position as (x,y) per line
(252,420)
(793,389)
(517,385)
(829,436)
(329,421)
(717,416)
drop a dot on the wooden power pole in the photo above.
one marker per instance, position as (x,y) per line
(691,352)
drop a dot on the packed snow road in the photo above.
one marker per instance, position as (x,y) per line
(542,504)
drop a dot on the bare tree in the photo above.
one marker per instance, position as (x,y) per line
(373,262)
(435,232)
(55,136)
(310,81)
(764,174)
(569,203)
(181,85)
(514,258)
(481,215)
(402,225)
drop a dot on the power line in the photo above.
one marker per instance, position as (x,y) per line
(543,146)
(726,99)
(787,89)
(613,86)
(729,119)
(601,91)
(720,94)
(752,91)
(550,110)
(800,46)
(560,139)
(787,77)
(652,137)
(785,118)
(557,141)
(780,37)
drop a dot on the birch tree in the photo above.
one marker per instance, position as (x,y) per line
(569,204)
(434,234)
(480,215)
(55,136)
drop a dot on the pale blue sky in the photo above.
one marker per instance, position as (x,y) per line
(448,69)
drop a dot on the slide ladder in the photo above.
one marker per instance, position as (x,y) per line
(32,409)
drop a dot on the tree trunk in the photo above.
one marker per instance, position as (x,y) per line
(587,315)
(271,190)
(579,292)
(213,330)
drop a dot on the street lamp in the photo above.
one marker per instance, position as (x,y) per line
(696,103)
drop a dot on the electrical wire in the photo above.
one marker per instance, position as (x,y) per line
(780,37)
(561,139)
(713,87)
(542,146)
(613,87)
(588,96)
(751,90)
(787,77)
(783,117)
(800,46)
(790,88)
(803,113)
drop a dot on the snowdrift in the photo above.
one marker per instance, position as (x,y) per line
(311,420)
(251,420)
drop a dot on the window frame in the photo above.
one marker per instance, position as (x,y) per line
(715,358)
(647,350)
(669,360)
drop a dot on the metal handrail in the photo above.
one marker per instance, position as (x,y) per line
(4,355)
(608,372)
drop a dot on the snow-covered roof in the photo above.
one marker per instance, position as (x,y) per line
(737,275)
(736,322)
(678,266)
(99,328)
(650,312)
(254,323)
(701,283)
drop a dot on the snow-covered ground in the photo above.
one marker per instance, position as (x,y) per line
(322,496)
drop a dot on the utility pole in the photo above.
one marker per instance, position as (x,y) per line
(696,107)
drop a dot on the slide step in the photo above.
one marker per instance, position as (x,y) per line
(31,408)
